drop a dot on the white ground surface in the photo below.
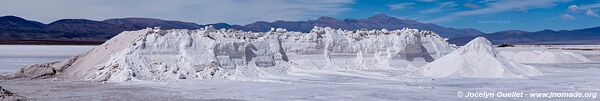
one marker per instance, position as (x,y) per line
(592,55)
(325,85)
(13,57)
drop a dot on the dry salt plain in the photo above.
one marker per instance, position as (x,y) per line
(326,64)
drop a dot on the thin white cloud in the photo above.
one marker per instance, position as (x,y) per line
(427,0)
(439,8)
(398,6)
(589,12)
(500,6)
(472,5)
(573,8)
(199,11)
(567,16)
(521,9)
(488,1)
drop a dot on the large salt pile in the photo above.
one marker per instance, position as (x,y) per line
(477,59)
(545,56)
(208,53)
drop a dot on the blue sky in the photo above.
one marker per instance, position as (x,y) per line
(488,15)
(485,15)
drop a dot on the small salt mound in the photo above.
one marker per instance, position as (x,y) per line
(545,57)
(477,59)
(6,95)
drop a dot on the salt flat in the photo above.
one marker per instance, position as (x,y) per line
(557,78)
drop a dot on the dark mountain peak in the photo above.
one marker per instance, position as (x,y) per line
(220,25)
(351,20)
(259,23)
(10,17)
(259,26)
(140,23)
(134,18)
(281,21)
(14,22)
(512,31)
(326,18)
(119,21)
(140,20)
(75,21)
(546,31)
(381,17)
(85,26)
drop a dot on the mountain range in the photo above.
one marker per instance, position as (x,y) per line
(16,30)
(379,21)
(586,36)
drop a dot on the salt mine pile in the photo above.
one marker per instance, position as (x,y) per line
(477,59)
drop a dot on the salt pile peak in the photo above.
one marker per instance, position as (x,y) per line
(209,53)
(477,59)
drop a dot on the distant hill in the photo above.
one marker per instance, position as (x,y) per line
(221,25)
(140,23)
(19,23)
(379,21)
(15,30)
(578,36)
(84,26)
